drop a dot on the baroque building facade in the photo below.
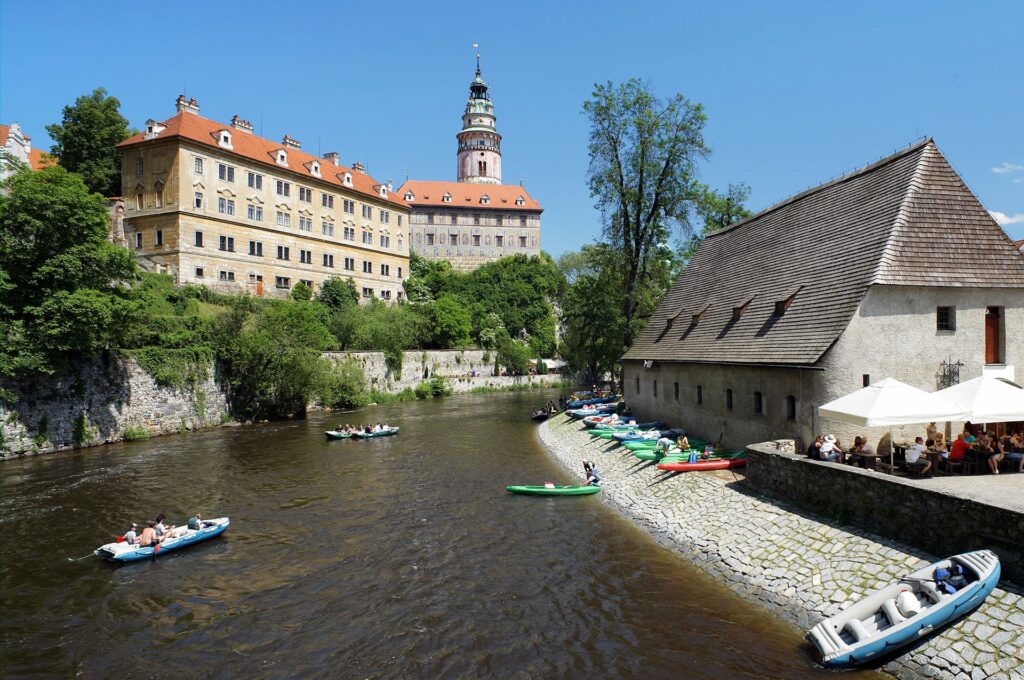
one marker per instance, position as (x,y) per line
(475,219)
(15,148)
(216,205)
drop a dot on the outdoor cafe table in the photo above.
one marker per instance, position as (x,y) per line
(868,461)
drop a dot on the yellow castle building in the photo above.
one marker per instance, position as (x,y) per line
(216,205)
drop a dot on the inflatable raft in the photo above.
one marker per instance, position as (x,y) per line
(179,537)
(383,433)
(335,434)
(553,490)
(704,464)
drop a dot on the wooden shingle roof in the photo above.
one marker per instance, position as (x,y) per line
(907,219)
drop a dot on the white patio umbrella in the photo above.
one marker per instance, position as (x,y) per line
(987,400)
(890,402)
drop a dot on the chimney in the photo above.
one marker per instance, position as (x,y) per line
(291,143)
(389,185)
(240,124)
(333,157)
(359,167)
(190,105)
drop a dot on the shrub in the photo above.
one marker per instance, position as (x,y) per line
(439,387)
(301,292)
(344,385)
(80,431)
(134,433)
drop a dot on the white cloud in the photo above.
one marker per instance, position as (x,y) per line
(1007,167)
(1006,220)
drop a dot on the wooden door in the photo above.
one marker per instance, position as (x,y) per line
(993,351)
(259,289)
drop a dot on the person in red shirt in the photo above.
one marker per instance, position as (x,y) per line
(959,448)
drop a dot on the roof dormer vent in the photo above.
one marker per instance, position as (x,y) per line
(153,129)
(314,168)
(447,198)
(485,199)
(224,139)
(782,305)
(383,190)
(738,310)
(281,157)
(346,179)
(409,196)
(520,201)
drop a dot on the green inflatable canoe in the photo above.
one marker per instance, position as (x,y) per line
(383,433)
(334,434)
(553,491)
(648,444)
(655,454)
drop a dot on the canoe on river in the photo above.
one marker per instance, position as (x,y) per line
(907,610)
(383,433)
(335,434)
(179,537)
(553,490)
(705,464)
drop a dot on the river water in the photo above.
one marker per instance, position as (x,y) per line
(395,557)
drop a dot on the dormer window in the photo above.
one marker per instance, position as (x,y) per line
(409,196)
(282,157)
(447,198)
(782,305)
(153,128)
(224,139)
(347,179)
(383,191)
(520,201)
(314,168)
(485,199)
(738,310)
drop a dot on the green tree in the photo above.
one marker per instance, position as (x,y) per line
(338,294)
(84,140)
(64,289)
(592,318)
(301,292)
(514,355)
(451,323)
(716,211)
(643,163)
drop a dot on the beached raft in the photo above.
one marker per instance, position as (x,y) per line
(369,435)
(553,490)
(905,611)
(179,537)
(700,465)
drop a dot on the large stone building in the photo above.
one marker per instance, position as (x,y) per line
(217,205)
(476,219)
(15,148)
(895,270)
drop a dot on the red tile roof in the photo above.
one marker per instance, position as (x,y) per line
(39,159)
(5,131)
(1019,245)
(465,195)
(204,131)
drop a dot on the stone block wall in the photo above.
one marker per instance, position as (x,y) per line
(113,393)
(889,506)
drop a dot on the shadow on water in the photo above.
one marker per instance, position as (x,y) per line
(392,557)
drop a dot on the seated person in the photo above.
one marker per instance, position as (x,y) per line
(709,451)
(196,523)
(148,538)
(994,452)
(131,537)
(959,449)
(814,450)
(861,445)
(830,450)
(968,435)
(940,445)
(1014,450)
(917,458)
(683,443)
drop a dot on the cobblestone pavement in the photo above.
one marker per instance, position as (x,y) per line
(790,561)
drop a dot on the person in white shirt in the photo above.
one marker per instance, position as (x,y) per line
(917,457)
(131,537)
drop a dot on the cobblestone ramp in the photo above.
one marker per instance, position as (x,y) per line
(792,562)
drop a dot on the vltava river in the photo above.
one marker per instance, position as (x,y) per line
(390,558)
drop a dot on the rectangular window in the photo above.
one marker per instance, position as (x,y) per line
(226,206)
(256,248)
(430,239)
(227,243)
(350,263)
(385,270)
(138,239)
(700,394)
(385,295)
(522,221)
(327,229)
(284,219)
(138,166)
(305,223)
(728,399)
(282,282)
(791,408)
(349,207)
(199,272)
(255,212)
(306,256)
(327,200)
(199,239)
(499,241)
(283,252)
(350,233)
(284,188)
(367,267)
(476,239)
(138,201)
(226,172)
(476,219)
(305,195)
(453,239)
(385,216)
(198,167)
(430,218)
(255,180)
(367,292)
(160,198)
(198,202)
(945,318)
(399,272)
(522,241)
(637,385)
(385,241)
(655,388)
(159,237)
(307,283)
(367,238)
(367,212)
(676,386)
(758,404)
(399,220)
(227,276)
(328,260)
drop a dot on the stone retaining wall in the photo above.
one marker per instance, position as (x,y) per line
(111,392)
(890,506)
(802,566)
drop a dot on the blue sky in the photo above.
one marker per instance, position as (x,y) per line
(795,92)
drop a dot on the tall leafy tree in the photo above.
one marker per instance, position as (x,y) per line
(644,153)
(84,140)
(716,210)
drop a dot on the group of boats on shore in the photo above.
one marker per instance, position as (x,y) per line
(874,627)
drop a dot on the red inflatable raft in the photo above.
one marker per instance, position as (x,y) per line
(709,464)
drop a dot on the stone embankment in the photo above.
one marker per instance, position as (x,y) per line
(789,561)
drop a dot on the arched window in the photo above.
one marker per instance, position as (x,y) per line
(728,399)
(791,408)
(758,403)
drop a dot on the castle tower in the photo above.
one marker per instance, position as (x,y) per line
(479,141)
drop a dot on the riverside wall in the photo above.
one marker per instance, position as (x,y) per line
(101,398)
(801,565)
